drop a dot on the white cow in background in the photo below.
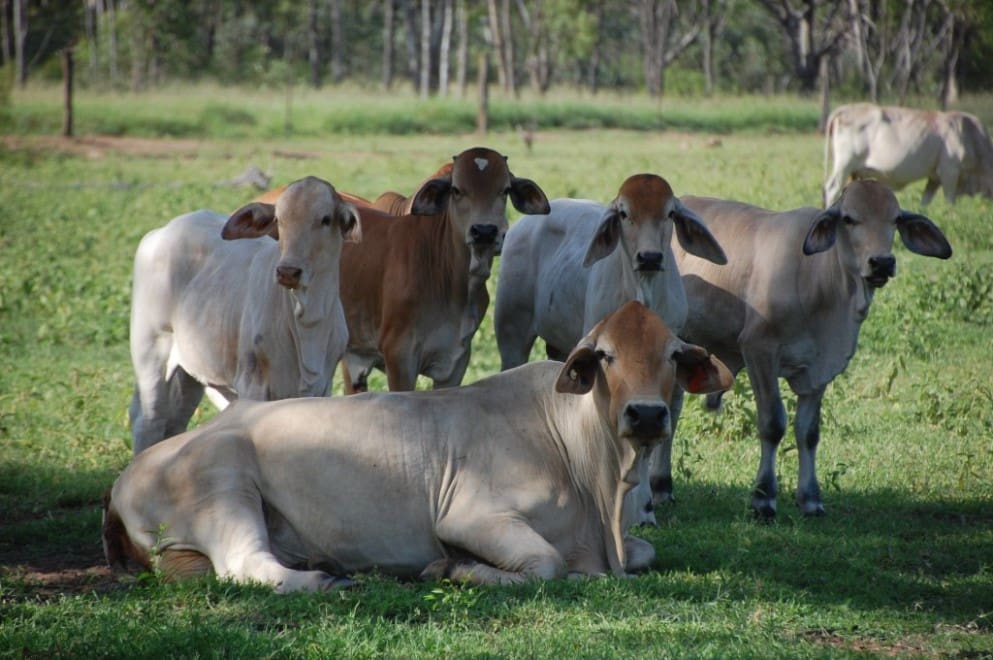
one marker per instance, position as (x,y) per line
(790,303)
(898,146)
(256,319)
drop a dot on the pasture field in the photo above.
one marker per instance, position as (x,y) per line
(901,565)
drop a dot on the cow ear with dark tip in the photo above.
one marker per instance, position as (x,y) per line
(606,238)
(698,372)
(579,373)
(823,232)
(351,225)
(527,197)
(251,221)
(922,236)
(432,198)
(694,236)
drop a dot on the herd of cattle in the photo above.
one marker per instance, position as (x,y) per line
(539,471)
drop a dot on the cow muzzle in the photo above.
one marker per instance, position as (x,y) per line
(881,269)
(646,421)
(648,262)
(483,234)
(289,276)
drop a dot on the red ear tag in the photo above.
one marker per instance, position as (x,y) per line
(698,380)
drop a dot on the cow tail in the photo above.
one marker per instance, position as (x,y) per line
(117,545)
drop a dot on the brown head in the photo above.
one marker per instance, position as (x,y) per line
(862,223)
(641,219)
(309,219)
(474,195)
(632,361)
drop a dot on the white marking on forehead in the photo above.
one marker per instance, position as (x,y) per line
(482,163)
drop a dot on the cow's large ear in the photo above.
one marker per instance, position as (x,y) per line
(579,373)
(432,198)
(698,372)
(606,238)
(351,224)
(922,236)
(694,236)
(251,221)
(527,197)
(823,232)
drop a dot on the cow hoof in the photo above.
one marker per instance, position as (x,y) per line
(334,583)
(764,510)
(812,510)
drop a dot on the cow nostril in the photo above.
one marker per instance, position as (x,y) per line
(647,419)
(483,233)
(288,275)
(885,265)
(649,260)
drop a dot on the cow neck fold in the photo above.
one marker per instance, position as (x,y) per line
(447,257)
(311,320)
(603,465)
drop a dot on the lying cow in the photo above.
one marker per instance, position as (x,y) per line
(516,477)
(790,303)
(407,286)
(257,319)
(899,146)
(562,272)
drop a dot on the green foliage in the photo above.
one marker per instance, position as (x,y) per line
(900,566)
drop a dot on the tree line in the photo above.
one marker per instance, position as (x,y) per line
(878,49)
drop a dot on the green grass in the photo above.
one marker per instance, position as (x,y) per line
(902,564)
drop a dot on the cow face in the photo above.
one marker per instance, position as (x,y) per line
(641,220)
(310,221)
(862,222)
(474,194)
(634,361)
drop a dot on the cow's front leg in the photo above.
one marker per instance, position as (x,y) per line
(807,428)
(771,417)
(509,550)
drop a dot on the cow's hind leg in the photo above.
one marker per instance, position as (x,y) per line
(509,552)
(185,393)
(151,405)
(807,428)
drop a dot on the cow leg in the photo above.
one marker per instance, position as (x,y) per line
(929,191)
(499,541)
(639,554)
(185,393)
(762,372)
(807,428)
(401,369)
(150,408)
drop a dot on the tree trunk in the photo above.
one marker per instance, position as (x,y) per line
(313,45)
(508,46)
(445,47)
(949,93)
(708,49)
(89,29)
(594,73)
(462,56)
(412,32)
(20,36)
(67,74)
(425,70)
(338,44)
(112,35)
(496,37)
(483,115)
(825,77)
(5,49)
(388,32)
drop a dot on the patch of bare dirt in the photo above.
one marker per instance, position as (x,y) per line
(50,575)
(902,648)
(96,147)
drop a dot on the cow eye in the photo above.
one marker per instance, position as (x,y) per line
(326,221)
(622,214)
(848,220)
(604,356)
(456,193)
